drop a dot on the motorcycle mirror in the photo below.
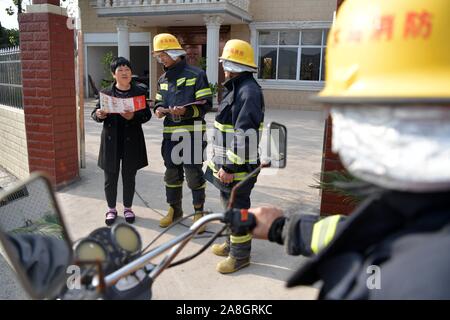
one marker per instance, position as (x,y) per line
(277,145)
(34,237)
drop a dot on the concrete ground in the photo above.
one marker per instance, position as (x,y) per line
(83,205)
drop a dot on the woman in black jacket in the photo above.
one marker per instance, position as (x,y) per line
(122,140)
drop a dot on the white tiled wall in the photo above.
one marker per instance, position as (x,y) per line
(13,142)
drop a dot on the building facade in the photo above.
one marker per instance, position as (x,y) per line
(289,37)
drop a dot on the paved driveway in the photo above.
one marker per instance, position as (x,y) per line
(83,205)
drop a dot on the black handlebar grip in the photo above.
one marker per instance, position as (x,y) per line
(240,221)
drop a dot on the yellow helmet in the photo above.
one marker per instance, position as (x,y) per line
(239,51)
(384,51)
(165,41)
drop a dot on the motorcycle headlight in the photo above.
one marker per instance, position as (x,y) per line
(90,250)
(126,238)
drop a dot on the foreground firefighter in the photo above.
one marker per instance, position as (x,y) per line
(389,93)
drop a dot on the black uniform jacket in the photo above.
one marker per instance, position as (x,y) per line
(237,130)
(394,246)
(182,84)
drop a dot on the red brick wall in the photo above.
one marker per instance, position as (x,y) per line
(332,203)
(47,47)
(54,2)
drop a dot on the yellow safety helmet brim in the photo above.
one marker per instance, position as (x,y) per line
(253,65)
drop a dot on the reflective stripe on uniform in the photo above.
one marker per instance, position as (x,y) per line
(238,176)
(164,86)
(203,92)
(224,127)
(190,128)
(230,128)
(191,82)
(158,97)
(174,185)
(323,232)
(196,111)
(180,81)
(234,158)
(240,239)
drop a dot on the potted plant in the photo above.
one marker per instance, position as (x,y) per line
(351,189)
(106,62)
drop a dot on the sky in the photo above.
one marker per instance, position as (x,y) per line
(10,22)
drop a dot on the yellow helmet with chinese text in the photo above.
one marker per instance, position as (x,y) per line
(165,41)
(384,51)
(239,51)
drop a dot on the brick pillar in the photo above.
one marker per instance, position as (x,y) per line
(331,203)
(53,2)
(47,48)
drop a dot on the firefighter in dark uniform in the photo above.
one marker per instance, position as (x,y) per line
(238,124)
(183,97)
(392,131)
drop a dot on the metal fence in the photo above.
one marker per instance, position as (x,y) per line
(11,77)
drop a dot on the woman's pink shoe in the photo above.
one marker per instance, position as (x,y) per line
(129,215)
(111,217)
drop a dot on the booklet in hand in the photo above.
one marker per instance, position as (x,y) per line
(121,105)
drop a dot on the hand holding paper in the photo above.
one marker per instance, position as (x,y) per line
(111,104)
(160,113)
(101,114)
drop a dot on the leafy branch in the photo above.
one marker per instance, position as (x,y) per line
(341,183)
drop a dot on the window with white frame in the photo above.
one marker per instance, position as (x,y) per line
(297,55)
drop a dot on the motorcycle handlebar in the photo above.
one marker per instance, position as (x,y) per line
(239,221)
(180,241)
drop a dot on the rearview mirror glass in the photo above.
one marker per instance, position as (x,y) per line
(34,237)
(277,144)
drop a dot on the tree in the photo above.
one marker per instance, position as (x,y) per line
(8,37)
(13,37)
(3,36)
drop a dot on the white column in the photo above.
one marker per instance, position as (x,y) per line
(123,38)
(212,47)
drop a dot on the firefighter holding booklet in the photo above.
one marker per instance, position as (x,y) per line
(122,109)
(183,98)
